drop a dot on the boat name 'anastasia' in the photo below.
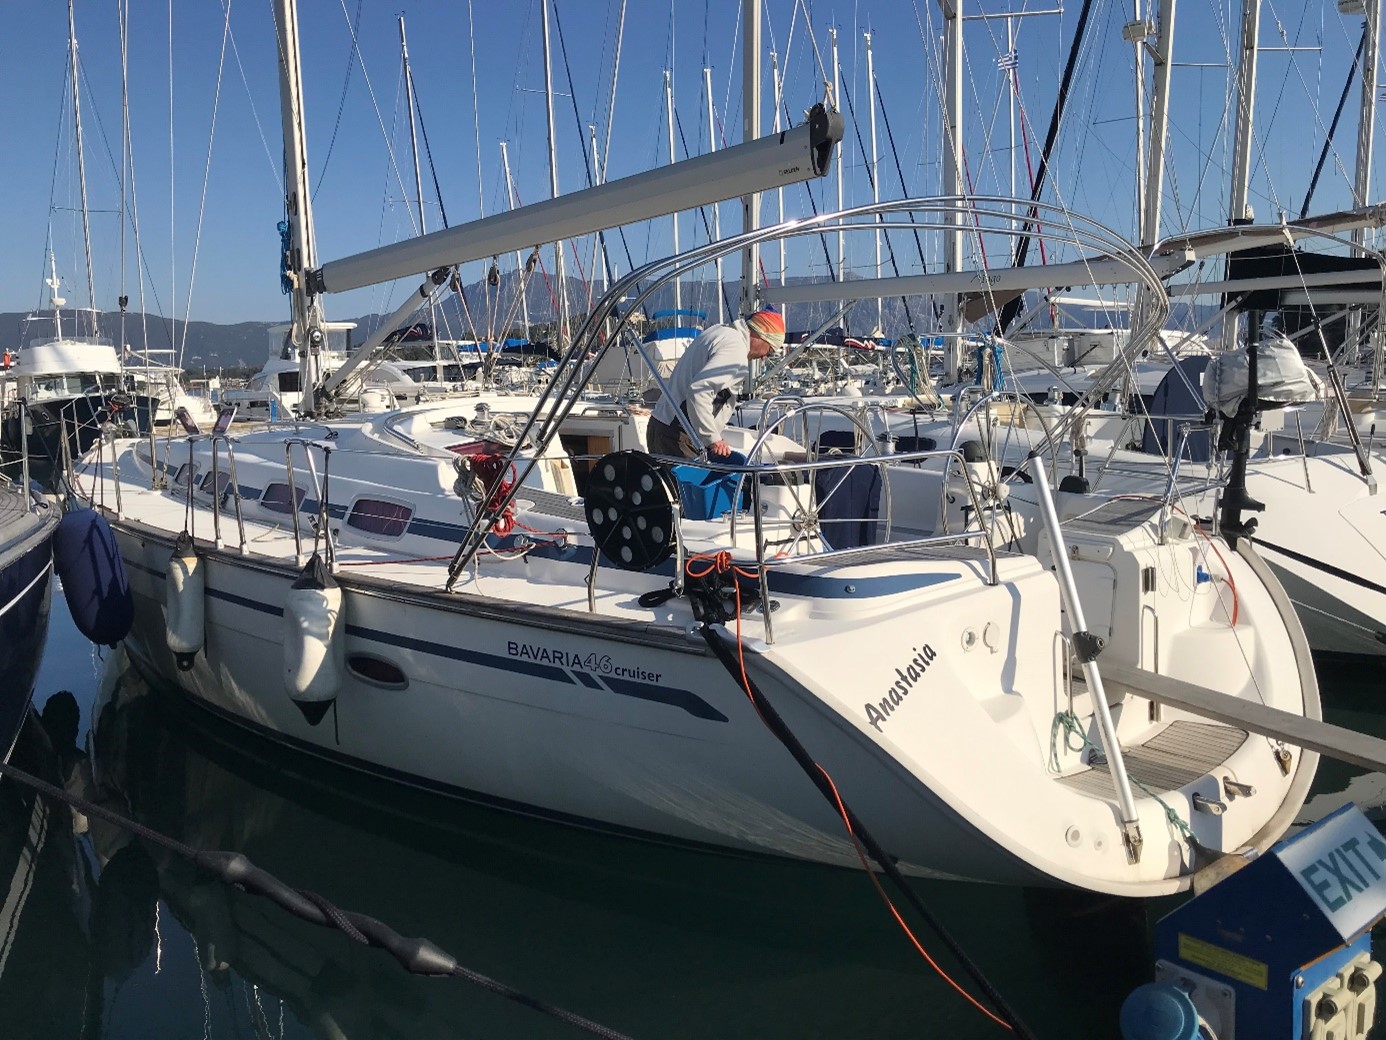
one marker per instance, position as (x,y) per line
(919,664)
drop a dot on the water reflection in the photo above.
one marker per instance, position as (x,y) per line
(132,941)
(45,889)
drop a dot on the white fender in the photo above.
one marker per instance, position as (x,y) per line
(184,599)
(314,641)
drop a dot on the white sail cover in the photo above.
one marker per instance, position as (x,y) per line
(1281,376)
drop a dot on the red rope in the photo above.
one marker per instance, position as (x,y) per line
(497,476)
(721,562)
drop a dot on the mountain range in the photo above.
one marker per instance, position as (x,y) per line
(492,310)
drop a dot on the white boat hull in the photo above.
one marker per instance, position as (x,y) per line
(639,729)
(564,725)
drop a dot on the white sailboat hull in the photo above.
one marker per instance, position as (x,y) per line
(639,729)
(649,737)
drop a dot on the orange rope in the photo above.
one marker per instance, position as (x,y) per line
(890,905)
(1231,581)
(720,563)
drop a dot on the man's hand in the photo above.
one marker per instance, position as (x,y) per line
(719,448)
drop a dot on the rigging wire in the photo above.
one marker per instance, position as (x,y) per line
(587,162)
(1269,193)
(899,171)
(1012,308)
(702,211)
(206,179)
(1333,126)
(459,288)
(172,195)
(476,122)
(393,165)
(341,101)
(871,179)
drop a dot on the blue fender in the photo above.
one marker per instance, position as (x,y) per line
(88,561)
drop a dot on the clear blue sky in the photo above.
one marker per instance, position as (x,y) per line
(360,199)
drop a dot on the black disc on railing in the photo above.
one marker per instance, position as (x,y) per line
(630,511)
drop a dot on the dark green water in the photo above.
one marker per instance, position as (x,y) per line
(108,936)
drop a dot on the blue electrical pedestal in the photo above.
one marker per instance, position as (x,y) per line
(1279,950)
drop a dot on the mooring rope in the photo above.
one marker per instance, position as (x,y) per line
(862,839)
(416,955)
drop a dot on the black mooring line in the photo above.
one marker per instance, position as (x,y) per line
(415,955)
(786,736)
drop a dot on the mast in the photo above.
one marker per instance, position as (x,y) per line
(716,209)
(126,164)
(952,178)
(1159,125)
(54,284)
(1136,32)
(81,166)
(559,272)
(1235,499)
(674,217)
(476,118)
(1246,103)
(598,241)
(519,260)
(837,100)
(778,90)
(750,131)
(418,186)
(875,171)
(1366,127)
(413,130)
(1010,103)
(306,310)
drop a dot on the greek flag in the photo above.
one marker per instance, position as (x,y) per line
(1008,62)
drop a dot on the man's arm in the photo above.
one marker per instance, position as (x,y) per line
(724,370)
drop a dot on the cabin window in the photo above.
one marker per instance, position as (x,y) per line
(288,382)
(377,516)
(223,483)
(186,472)
(276,498)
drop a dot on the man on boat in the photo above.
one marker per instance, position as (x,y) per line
(705,381)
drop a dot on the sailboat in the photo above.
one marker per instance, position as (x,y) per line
(619,660)
(70,376)
(72,386)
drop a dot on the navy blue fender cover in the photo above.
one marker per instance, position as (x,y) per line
(88,561)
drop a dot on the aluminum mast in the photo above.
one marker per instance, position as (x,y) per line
(560,273)
(1159,125)
(717,210)
(1246,104)
(669,118)
(306,311)
(952,179)
(750,131)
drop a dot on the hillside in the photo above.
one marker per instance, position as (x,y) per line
(490,311)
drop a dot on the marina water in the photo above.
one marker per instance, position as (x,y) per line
(106,935)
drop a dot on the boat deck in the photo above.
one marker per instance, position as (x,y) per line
(1177,755)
